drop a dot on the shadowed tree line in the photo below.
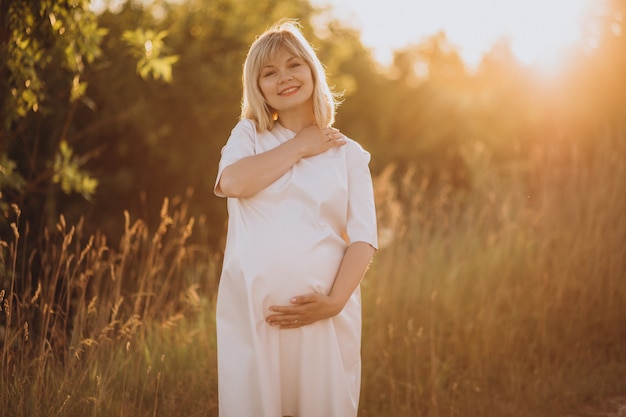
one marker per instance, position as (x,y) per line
(112,111)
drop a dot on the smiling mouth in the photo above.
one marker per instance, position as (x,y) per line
(288,91)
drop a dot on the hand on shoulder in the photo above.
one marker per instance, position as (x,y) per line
(313,141)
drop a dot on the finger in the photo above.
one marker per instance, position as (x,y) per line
(281,319)
(337,142)
(291,310)
(287,321)
(330,132)
(284,312)
(304,299)
(293,324)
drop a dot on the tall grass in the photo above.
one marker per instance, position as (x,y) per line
(509,300)
(109,332)
(504,300)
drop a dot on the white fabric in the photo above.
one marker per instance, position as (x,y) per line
(287,240)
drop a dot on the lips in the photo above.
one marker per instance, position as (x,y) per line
(287,91)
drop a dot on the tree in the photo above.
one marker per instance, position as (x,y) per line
(427,111)
(45,47)
(48,50)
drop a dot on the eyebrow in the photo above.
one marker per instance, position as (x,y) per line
(288,59)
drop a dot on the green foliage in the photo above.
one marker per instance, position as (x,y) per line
(148,47)
(9,179)
(68,174)
(47,47)
(8,176)
(49,52)
(42,35)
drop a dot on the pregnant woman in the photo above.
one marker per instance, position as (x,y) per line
(301,234)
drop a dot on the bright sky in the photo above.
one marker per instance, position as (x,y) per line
(539,30)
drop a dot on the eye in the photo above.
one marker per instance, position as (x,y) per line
(268,74)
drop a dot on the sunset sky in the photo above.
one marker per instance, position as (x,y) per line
(539,30)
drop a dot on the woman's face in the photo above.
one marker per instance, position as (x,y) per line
(287,83)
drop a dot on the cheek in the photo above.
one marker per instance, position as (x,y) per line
(264,86)
(309,73)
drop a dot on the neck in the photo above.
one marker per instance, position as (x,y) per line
(296,121)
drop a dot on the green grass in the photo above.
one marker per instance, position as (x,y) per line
(505,300)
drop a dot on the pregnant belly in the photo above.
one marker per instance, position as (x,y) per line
(276,273)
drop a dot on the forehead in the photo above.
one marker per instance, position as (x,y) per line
(278,48)
(280,56)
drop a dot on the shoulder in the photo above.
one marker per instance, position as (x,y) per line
(243,133)
(355,153)
(248,128)
(244,126)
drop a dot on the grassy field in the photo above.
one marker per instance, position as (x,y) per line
(507,300)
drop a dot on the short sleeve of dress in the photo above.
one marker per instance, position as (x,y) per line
(240,144)
(361,224)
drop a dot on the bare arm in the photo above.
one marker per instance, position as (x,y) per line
(353,267)
(307,309)
(252,174)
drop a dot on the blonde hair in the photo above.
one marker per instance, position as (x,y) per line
(285,34)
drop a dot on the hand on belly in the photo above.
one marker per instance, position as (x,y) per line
(303,310)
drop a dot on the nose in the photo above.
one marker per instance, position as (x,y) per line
(284,77)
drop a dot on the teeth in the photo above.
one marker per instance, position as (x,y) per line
(289,90)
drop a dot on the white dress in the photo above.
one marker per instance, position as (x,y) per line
(287,240)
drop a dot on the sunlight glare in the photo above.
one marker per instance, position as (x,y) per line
(542,31)
(539,31)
